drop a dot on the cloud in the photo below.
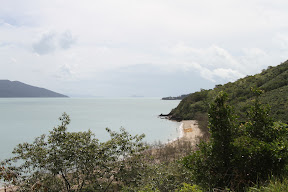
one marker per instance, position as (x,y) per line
(50,42)
(213,56)
(215,75)
(66,40)
(46,45)
(220,41)
(227,74)
(213,63)
(146,78)
(66,72)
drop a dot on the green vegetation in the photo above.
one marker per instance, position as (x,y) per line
(245,152)
(273,185)
(175,98)
(239,155)
(273,81)
(65,161)
(77,161)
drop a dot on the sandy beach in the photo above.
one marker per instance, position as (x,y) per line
(189,132)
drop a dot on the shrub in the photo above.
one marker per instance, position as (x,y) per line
(77,161)
(238,156)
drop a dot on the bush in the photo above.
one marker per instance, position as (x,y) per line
(189,188)
(77,161)
(238,156)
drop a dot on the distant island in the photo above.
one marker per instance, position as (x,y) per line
(10,89)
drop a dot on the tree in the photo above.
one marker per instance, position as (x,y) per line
(238,156)
(211,164)
(77,161)
(223,130)
(262,147)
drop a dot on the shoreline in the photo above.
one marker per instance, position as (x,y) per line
(188,131)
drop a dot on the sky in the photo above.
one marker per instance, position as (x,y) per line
(151,48)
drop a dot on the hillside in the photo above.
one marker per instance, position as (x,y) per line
(274,82)
(176,98)
(18,89)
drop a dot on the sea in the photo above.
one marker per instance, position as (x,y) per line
(24,119)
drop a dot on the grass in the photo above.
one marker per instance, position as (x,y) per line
(273,185)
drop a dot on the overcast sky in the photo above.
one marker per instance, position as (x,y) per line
(139,47)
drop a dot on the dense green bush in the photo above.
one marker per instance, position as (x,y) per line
(239,155)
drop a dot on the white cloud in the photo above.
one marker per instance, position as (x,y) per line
(67,72)
(212,62)
(46,44)
(66,40)
(227,74)
(214,75)
(49,42)
(76,40)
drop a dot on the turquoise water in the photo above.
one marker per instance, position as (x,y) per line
(23,119)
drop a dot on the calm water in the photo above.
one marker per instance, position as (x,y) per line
(21,120)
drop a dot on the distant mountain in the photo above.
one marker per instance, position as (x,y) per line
(273,81)
(19,89)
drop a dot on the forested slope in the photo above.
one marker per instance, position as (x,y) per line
(274,82)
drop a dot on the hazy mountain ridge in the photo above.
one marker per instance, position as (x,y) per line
(18,89)
(274,82)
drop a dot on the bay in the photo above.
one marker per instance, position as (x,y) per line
(23,119)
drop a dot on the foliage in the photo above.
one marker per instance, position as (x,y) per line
(211,164)
(274,185)
(166,176)
(262,148)
(237,156)
(191,105)
(64,161)
(223,129)
(68,161)
(7,175)
(189,188)
(274,82)
(163,171)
